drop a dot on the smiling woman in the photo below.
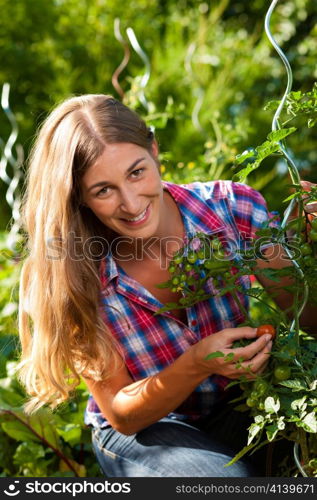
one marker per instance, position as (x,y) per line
(156,402)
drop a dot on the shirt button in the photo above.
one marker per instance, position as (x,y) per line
(194,322)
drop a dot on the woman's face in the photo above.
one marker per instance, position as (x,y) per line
(124,190)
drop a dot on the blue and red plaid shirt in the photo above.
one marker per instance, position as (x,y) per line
(149,342)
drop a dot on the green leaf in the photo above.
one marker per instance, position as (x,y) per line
(27,453)
(271,274)
(9,399)
(271,431)
(242,175)
(266,149)
(309,422)
(254,429)
(299,404)
(165,284)
(248,153)
(271,105)
(71,433)
(229,357)
(290,197)
(216,354)
(241,453)
(278,135)
(295,385)
(37,427)
(19,431)
(270,405)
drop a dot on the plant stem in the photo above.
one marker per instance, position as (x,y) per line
(44,441)
(303,446)
(239,304)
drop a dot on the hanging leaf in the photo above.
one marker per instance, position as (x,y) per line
(271,406)
(309,422)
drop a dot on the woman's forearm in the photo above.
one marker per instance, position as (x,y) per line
(137,405)
(142,403)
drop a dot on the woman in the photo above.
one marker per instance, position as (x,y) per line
(102,228)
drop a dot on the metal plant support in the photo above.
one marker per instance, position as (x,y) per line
(292,168)
(8,158)
(295,177)
(141,53)
(199,92)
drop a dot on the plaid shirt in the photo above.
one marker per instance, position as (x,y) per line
(149,342)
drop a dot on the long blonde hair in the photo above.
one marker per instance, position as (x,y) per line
(61,328)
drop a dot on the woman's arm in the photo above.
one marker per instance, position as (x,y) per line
(278,259)
(131,406)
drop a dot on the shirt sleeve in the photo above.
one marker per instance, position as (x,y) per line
(250,210)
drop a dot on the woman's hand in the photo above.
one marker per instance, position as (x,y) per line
(310,208)
(247,361)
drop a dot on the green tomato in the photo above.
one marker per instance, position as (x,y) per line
(306,249)
(298,223)
(262,387)
(178,259)
(309,261)
(219,255)
(282,372)
(201,254)
(289,349)
(254,394)
(215,243)
(175,280)
(183,277)
(191,257)
(251,402)
(313,235)
(172,269)
(188,267)
(313,224)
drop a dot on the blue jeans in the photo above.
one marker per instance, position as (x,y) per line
(171,448)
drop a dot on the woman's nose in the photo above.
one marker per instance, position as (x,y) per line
(130,202)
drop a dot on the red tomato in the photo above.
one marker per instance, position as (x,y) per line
(265,329)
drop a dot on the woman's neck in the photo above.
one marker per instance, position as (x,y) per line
(165,243)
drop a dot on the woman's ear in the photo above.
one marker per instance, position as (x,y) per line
(155,148)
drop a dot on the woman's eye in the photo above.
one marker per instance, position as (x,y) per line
(104,190)
(137,172)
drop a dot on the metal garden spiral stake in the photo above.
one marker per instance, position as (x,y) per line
(293,171)
(199,92)
(145,78)
(12,196)
(124,61)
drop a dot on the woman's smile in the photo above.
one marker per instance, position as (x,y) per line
(139,219)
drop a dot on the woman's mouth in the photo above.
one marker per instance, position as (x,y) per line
(139,219)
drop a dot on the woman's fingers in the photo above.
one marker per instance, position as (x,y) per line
(252,349)
(309,207)
(252,366)
(259,362)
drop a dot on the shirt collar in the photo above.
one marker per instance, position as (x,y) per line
(193,209)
